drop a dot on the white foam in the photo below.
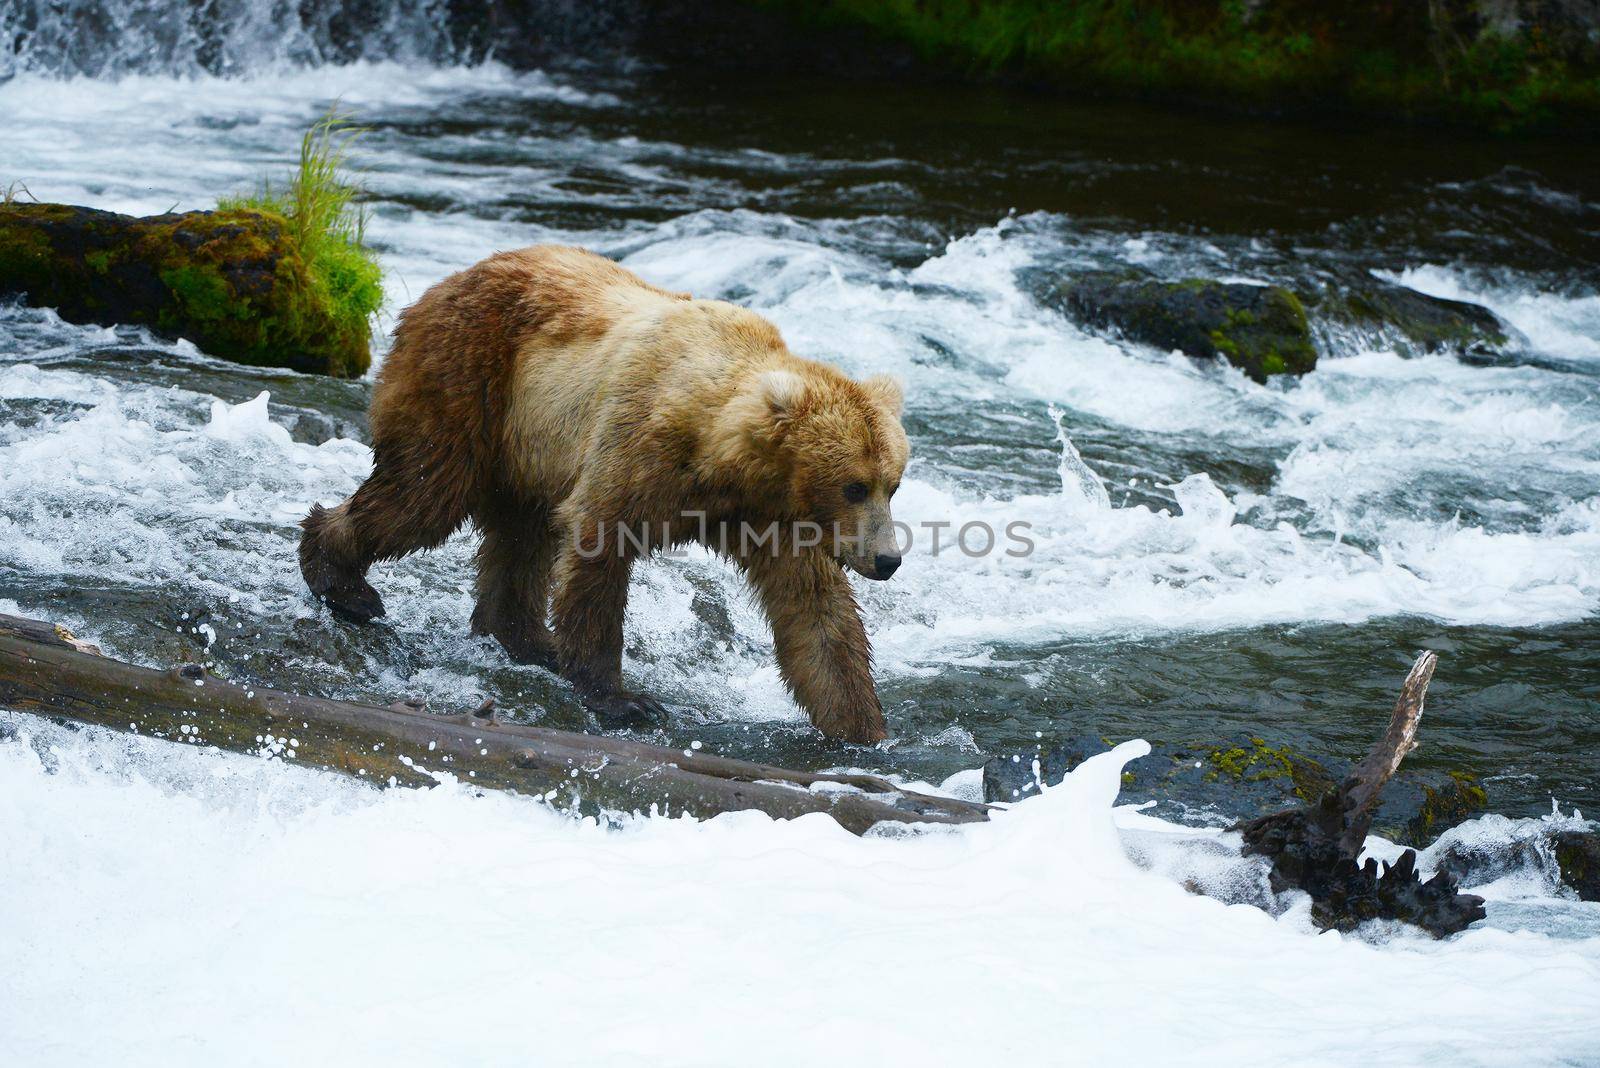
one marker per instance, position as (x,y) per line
(189,908)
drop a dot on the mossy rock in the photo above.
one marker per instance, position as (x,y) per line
(1262,330)
(1397,314)
(231,282)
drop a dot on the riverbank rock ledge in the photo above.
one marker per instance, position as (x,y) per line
(1262,330)
(232,282)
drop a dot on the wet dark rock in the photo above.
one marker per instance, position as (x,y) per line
(1578,857)
(1394,313)
(1418,807)
(1475,860)
(1262,330)
(231,282)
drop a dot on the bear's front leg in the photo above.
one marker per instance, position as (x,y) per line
(590,600)
(823,653)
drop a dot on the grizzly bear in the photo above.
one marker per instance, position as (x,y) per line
(582,418)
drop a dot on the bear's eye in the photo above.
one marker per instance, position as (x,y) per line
(856,492)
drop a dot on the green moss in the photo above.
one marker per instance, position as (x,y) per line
(202,293)
(23,253)
(1446,806)
(1260,762)
(1278,341)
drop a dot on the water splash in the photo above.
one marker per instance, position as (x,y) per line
(1078,479)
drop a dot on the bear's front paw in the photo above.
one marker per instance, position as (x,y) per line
(620,709)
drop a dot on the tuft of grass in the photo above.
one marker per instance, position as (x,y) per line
(326,221)
(8,195)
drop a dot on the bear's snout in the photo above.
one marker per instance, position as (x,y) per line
(886,565)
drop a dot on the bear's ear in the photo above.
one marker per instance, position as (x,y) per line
(887,391)
(784,392)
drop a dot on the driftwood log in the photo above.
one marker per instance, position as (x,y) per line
(45,670)
(1317,848)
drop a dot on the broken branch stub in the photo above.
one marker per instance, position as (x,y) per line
(1317,848)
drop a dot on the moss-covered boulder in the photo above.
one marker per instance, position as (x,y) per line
(232,282)
(1392,314)
(1262,330)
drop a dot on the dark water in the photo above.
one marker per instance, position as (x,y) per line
(1384,505)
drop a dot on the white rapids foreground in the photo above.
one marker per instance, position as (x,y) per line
(172,907)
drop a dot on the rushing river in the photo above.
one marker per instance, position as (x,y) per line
(1236,558)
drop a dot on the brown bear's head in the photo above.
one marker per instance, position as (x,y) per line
(839,450)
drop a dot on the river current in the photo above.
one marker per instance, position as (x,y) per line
(1225,557)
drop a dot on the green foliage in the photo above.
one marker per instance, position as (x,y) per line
(1376,56)
(326,222)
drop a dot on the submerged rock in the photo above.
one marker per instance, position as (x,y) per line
(231,282)
(1571,855)
(1262,330)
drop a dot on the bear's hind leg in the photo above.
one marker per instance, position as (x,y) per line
(513,587)
(390,515)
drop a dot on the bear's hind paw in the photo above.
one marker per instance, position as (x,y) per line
(621,709)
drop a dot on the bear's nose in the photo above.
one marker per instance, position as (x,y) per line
(886,565)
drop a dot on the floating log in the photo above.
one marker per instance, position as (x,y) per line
(47,671)
(1316,848)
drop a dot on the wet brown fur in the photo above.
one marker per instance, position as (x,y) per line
(548,394)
